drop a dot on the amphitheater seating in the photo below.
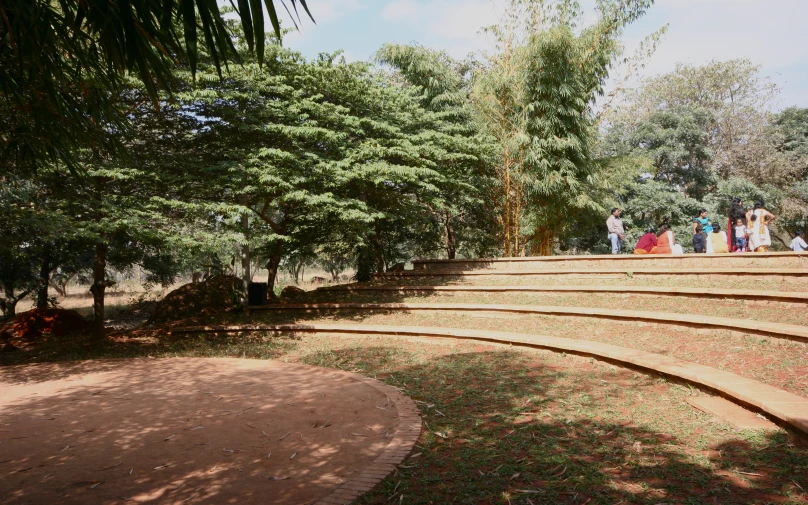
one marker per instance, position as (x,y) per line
(778,330)
(742,294)
(724,262)
(734,280)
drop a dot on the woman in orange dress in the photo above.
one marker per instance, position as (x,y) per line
(664,240)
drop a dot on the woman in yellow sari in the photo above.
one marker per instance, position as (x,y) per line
(718,239)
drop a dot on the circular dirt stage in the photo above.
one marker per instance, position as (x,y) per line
(193,431)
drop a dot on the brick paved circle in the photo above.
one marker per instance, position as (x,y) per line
(197,431)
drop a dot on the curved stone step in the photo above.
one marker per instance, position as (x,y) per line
(785,259)
(782,272)
(780,296)
(782,405)
(778,330)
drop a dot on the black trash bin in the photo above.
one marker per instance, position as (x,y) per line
(257,293)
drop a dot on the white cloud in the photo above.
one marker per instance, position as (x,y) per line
(401,10)
(455,25)
(329,10)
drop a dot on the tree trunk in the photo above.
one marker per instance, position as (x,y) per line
(59,287)
(506,247)
(245,255)
(451,241)
(272,268)
(297,271)
(10,304)
(44,279)
(546,238)
(98,288)
(378,248)
(364,263)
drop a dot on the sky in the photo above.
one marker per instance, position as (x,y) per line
(769,32)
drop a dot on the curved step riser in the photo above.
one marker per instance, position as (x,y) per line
(699,323)
(784,299)
(770,260)
(543,276)
(788,408)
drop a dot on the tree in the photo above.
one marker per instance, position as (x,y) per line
(462,152)
(539,105)
(736,96)
(320,154)
(29,225)
(709,131)
(790,133)
(537,95)
(63,63)
(677,141)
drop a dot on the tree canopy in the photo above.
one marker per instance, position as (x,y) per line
(189,155)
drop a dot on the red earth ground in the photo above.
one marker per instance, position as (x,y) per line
(185,431)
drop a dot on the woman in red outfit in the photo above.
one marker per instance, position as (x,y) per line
(647,243)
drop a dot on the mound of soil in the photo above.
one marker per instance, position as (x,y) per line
(222,293)
(292,293)
(33,324)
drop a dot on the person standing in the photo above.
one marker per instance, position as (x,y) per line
(616,231)
(759,238)
(707,229)
(739,232)
(699,240)
(798,244)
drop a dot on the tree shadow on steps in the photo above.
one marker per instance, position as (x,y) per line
(567,445)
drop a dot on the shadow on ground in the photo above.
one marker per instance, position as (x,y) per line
(503,429)
(511,427)
(182,430)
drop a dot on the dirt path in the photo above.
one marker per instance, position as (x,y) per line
(181,430)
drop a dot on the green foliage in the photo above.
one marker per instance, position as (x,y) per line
(730,101)
(790,133)
(537,98)
(324,158)
(557,164)
(709,133)
(63,64)
(459,149)
(676,139)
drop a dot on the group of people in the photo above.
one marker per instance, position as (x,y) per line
(747,231)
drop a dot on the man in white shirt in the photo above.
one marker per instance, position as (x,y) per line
(798,244)
(616,232)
